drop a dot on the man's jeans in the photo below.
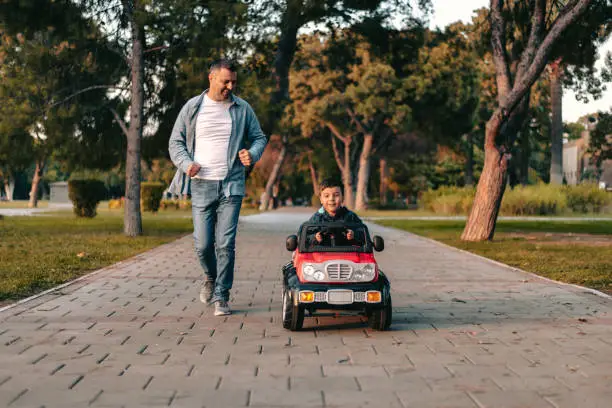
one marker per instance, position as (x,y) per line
(215,221)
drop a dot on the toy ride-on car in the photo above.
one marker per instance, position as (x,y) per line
(333,268)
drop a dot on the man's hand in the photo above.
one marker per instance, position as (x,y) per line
(193,169)
(245,157)
(319,237)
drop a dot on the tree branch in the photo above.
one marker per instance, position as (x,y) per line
(382,140)
(161,47)
(89,88)
(535,37)
(336,132)
(360,126)
(522,85)
(120,121)
(336,152)
(498,44)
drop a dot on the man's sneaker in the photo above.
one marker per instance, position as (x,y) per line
(222,308)
(206,291)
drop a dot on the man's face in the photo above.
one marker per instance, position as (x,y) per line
(222,82)
(331,199)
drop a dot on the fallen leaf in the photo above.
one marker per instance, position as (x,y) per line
(573,368)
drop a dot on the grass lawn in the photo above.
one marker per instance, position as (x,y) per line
(425,213)
(577,252)
(39,252)
(22,204)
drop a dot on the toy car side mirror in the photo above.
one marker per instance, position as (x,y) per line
(291,243)
(379,243)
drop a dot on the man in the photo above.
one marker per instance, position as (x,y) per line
(207,147)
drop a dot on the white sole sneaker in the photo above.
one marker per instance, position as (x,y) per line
(222,310)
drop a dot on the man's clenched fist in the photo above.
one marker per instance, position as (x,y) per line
(193,169)
(245,157)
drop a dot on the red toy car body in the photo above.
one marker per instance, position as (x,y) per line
(335,270)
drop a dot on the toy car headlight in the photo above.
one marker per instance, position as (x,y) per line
(365,273)
(308,270)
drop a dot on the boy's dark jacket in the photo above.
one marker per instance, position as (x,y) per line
(342,215)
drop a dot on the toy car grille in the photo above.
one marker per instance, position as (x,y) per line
(338,271)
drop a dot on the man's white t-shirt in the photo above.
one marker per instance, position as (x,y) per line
(213,129)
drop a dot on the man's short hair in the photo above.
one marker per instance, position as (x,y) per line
(329,183)
(223,63)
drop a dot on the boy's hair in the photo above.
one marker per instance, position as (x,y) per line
(330,182)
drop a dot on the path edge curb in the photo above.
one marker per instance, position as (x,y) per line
(89,275)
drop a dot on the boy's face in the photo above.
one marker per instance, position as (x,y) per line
(331,199)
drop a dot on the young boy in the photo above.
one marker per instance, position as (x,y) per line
(332,209)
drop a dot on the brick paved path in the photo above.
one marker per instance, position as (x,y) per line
(465,333)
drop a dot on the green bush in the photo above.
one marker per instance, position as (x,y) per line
(184,204)
(587,198)
(315,201)
(168,204)
(151,193)
(540,199)
(85,196)
(448,200)
(115,204)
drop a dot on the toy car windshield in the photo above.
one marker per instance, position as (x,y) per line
(334,237)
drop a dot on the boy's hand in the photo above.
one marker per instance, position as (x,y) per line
(350,235)
(319,237)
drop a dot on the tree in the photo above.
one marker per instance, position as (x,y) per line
(374,103)
(447,90)
(573,65)
(129,19)
(47,51)
(511,103)
(297,13)
(600,145)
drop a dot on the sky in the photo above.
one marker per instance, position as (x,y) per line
(449,11)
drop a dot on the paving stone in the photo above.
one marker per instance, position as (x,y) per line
(466,333)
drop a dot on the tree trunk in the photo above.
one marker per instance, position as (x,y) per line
(363,175)
(556,133)
(132,220)
(313,175)
(525,154)
(40,164)
(290,23)
(383,181)
(480,225)
(347,178)
(469,160)
(273,178)
(9,186)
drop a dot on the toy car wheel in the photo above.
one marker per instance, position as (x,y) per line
(293,316)
(380,319)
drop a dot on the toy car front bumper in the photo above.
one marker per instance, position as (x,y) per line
(347,296)
(339,296)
